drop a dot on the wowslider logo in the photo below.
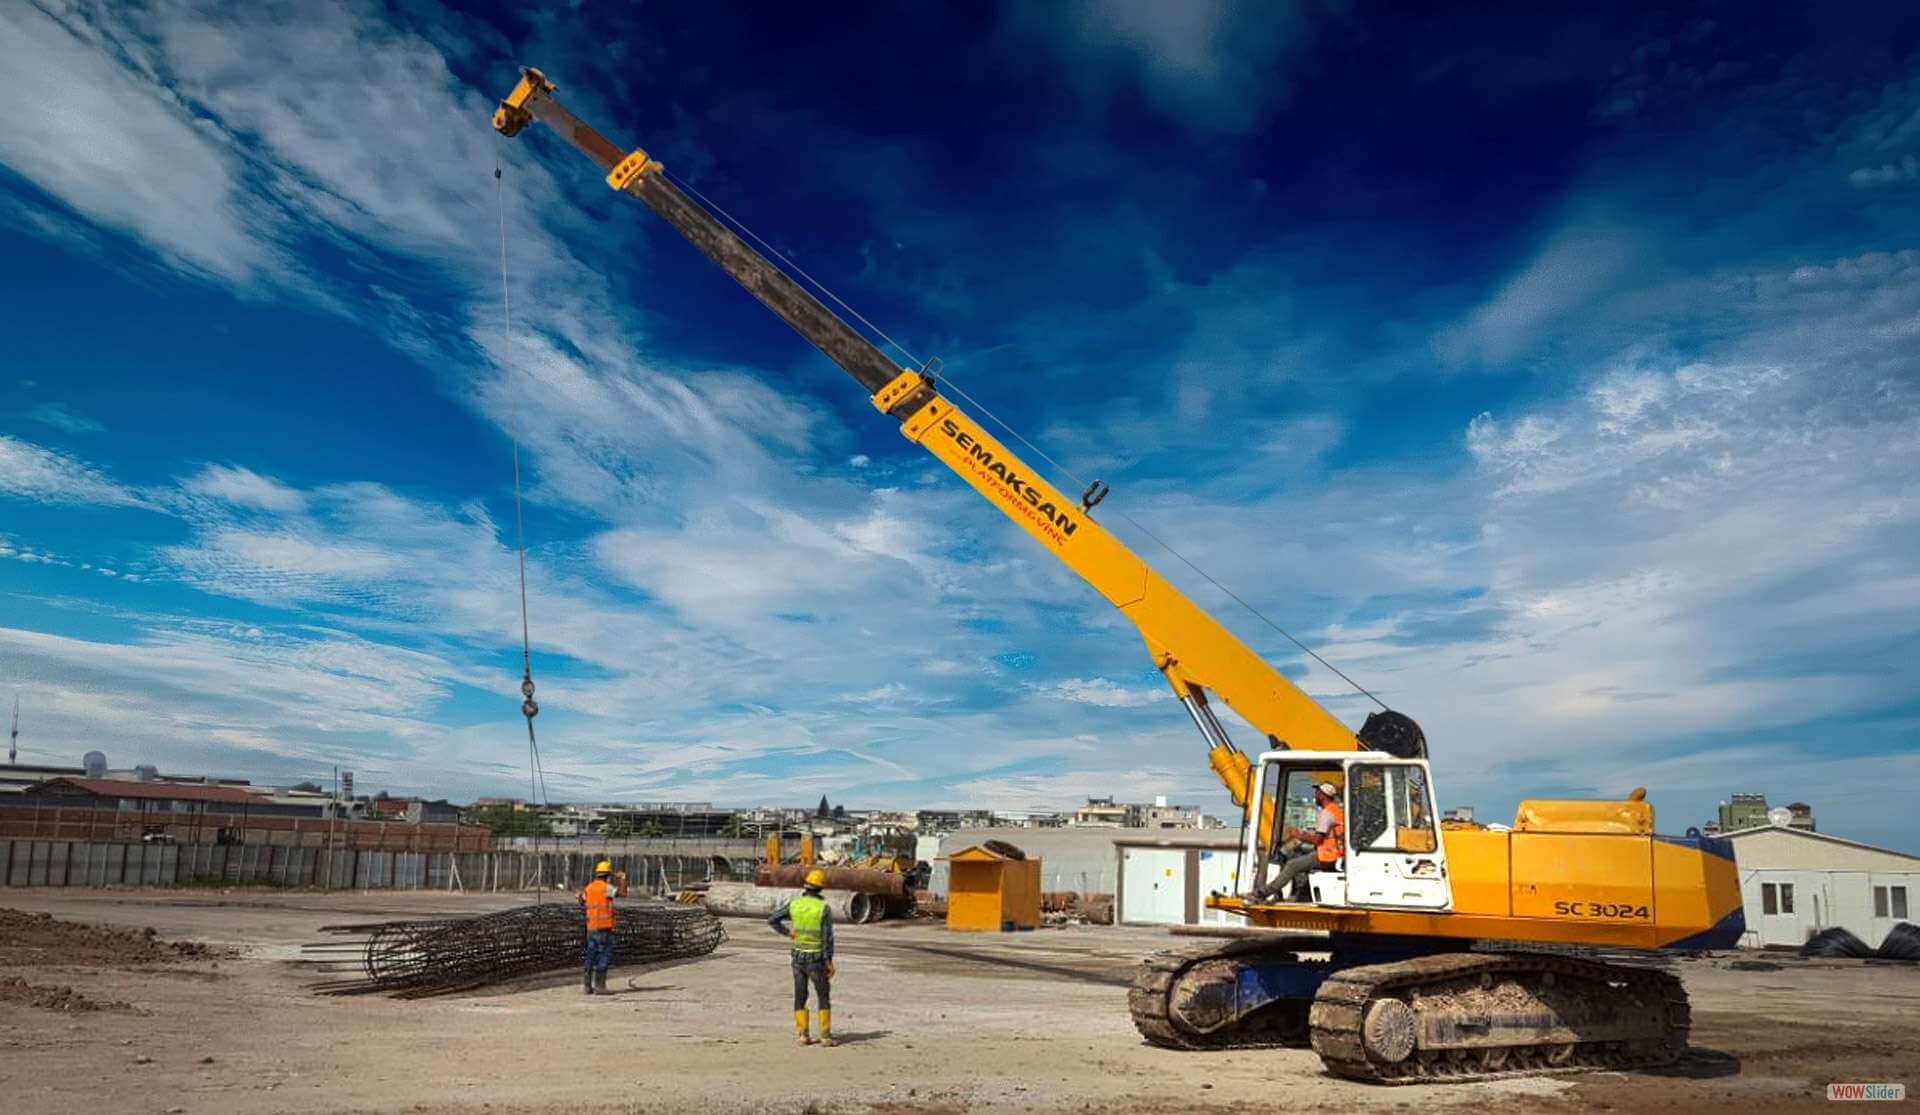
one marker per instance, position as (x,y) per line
(1014,485)
(1893,1092)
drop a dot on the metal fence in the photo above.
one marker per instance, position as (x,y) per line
(81,863)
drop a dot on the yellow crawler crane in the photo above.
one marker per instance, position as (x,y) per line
(1439,943)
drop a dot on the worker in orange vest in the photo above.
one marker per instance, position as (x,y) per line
(1327,840)
(597,898)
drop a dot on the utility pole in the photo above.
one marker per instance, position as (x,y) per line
(332,808)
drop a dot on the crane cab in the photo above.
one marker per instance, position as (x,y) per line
(1392,856)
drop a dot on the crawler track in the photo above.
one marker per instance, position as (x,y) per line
(1479,1016)
(1182,999)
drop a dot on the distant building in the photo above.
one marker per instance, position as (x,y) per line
(669,819)
(935,821)
(1458,813)
(1745,811)
(1107,813)
(1160,815)
(414,811)
(1029,819)
(17,777)
(127,809)
(516,804)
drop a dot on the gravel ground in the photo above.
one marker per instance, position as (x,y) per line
(932,1021)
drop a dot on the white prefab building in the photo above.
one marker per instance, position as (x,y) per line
(1164,879)
(1795,883)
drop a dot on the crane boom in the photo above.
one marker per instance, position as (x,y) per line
(1197,655)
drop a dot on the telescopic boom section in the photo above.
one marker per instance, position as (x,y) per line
(1198,656)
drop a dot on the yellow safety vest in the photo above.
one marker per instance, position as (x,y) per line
(808,914)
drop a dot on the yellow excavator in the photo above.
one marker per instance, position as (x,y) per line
(1419,952)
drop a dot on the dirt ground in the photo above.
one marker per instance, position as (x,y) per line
(932,1022)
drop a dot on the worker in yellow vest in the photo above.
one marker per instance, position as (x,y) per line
(597,898)
(808,921)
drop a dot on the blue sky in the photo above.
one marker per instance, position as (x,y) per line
(1552,372)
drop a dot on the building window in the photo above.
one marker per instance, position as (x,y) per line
(1879,902)
(1899,901)
(1769,899)
(1786,898)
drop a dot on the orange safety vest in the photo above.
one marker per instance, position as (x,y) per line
(599,896)
(1335,844)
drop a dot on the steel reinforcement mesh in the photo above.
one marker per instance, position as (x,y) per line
(436,956)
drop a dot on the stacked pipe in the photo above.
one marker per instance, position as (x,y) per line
(436,956)
(888,893)
(861,880)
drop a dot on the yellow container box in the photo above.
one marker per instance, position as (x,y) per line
(988,892)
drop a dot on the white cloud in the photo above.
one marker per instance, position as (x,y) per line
(1214,64)
(1905,169)
(1708,549)
(1571,269)
(1071,788)
(62,418)
(120,151)
(34,472)
(1107,694)
(243,487)
(200,693)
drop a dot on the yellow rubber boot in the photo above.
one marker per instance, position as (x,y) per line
(800,1026)
(826,1029)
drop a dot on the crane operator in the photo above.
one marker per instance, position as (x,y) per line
(1324,844)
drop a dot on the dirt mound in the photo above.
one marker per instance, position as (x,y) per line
(51,998)
(44,940)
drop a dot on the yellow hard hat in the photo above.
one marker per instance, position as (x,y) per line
(603,868)
(816,878)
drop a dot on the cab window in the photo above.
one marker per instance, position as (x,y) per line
(1367,822)
(1298,810)
(1392,810)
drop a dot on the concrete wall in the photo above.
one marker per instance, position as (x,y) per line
(1082,859)
(653,866)
(1070,859)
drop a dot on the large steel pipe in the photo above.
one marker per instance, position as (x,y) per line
(749,900)
(866,880)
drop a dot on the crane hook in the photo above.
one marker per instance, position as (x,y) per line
(1091,498)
